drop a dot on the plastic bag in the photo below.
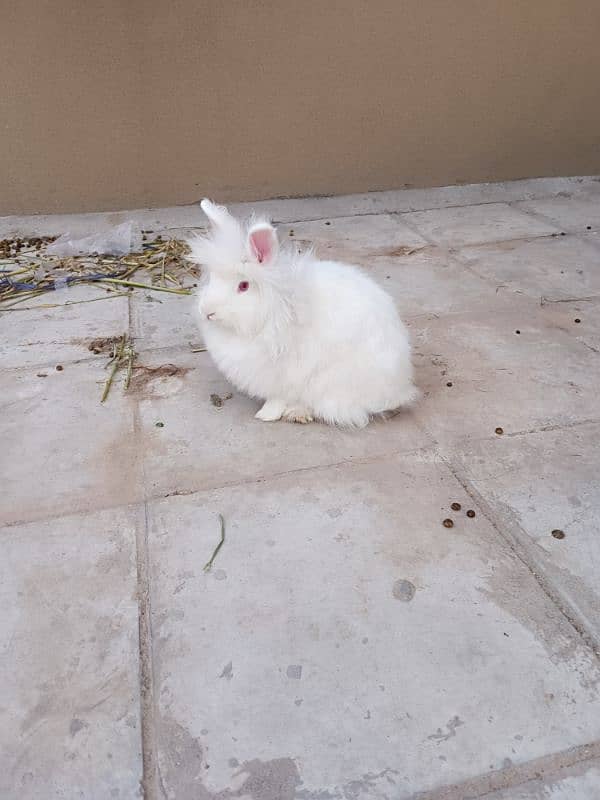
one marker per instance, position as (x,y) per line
(118,241)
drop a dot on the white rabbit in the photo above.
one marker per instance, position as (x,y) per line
(313,339)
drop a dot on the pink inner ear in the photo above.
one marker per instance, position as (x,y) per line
(262,241)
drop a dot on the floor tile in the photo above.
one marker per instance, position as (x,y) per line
(62,450)
(575,214)
(165,320)
(493,222)
(53,335)
(515,370)
(352,238)
(547,269)
(333,648)
(69,700)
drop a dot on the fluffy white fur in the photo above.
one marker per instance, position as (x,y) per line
(312,339)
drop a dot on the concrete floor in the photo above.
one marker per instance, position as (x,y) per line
(345,645)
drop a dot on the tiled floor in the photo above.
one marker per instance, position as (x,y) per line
(345,645)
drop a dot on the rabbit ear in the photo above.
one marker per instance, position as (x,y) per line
(263,243)
(219,216)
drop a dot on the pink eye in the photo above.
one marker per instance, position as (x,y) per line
(243,286)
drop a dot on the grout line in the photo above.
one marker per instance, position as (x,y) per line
(419,210)
(553,427)
(537,215)
(390,212)
(454,250)
(565,231)
(146,666)
(146,660)
(538,769)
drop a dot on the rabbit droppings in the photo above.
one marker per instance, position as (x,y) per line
(312,339)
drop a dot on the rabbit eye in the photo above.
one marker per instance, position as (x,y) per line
(243,286)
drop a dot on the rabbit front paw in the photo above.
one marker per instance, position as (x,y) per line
(271,411)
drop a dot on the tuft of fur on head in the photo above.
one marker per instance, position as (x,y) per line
(228,241)
(222,245)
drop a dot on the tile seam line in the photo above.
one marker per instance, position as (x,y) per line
(545,218)
(513,777)
(571,614)
(430,448)
(451,250)
(401,212)
(540,196)
(147,703)
(146,666)
(226,485)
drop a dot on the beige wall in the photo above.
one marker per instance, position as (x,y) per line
(123,103)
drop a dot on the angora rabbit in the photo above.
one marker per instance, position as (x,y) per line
(313,339)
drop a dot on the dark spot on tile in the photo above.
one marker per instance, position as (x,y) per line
(451,726)
(227,671)
(558,534)
(77,725)
(294,671)
(403,590)
(470,513)
(277,779)
(456,506)
(447,523)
